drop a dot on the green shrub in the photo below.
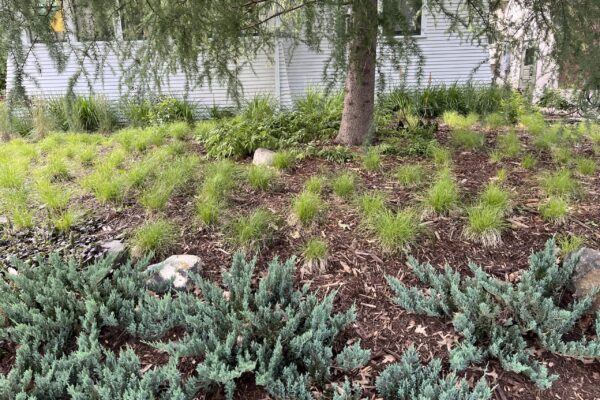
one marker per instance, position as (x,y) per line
(442,196)
(344,185)
(307,207)
(513,107)
(260,177)
(156,236)
(552,98)
(253,231)
(410,175)
(170,109)
(555,209)
(409,379)
(395,231)
(338,154)
(529,309)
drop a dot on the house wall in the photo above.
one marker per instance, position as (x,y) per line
(286,74)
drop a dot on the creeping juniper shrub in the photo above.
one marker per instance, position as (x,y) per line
(409,379)
(494,317)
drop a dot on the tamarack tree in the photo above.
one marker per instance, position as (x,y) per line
(213,40)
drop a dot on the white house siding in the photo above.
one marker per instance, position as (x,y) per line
(285,75)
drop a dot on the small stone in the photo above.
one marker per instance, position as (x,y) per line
(113,247)
(12,271)
(3,220)
(175,268)
(586,274)
(263,157)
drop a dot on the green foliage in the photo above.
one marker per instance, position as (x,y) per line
(89,114)
(554,209)
(144,112)
(260,177)
(495,196)
(344,185)
(409,379)
(440,155)
(552,98)
(494,317)
(586,166)
(218,183)
(371,204)
(560,183)
(529,161)
(253,231)
(513,107)
(442,196)
(394,231)
(307,207)
(283,160)
(410,175)
(259,125)
(534,123)
(509,144)
(570,243)
(315,249)
(339,154)
(458,122)
(315,184)
(156,236)
(372,160)
(495,120)
(107,183)
(485,224)
(468,139)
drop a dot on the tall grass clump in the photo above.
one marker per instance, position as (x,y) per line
(555,209)
(509,144)
(459,122)
(371,204)
(283,160)
(534,123)
(440,155)
(253,231)
(371,160)
(219,180)
(442,196)
(157,237)
(107,183)
(92,113)
(344,185)
(395,231)
(307,207)
(586,166)
(260,177)
(172,178)
(485,224)
(315,184)
(560,183)
(410,175)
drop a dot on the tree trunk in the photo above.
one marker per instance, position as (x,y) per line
(359,99)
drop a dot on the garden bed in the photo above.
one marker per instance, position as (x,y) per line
(356,259)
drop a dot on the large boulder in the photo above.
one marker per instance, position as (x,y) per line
(175,269)
(263,157)
(586,274)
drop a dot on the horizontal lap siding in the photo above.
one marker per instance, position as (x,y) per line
(43,79)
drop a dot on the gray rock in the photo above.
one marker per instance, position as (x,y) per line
(175,268)
(263,157)
(3,220)
(586,274)
(113,247)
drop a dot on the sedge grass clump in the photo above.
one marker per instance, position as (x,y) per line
(570,243)
(534,123)
(307,207)
(12,174)
(550,137)
(208,210)
(458,122)
(440,155)
(283,160)
(371,160)
(179,173)
(57,168)
(555,209)
(344,185)
(410,175)
(107,184)
(212,195)
(509,144)
(586,166)
(560,183)
(64,220)
(315,253)
(442,196)
(18,209)
(371,204)
(260,177)
(485,224)
(561,155)
(179,130)
(529,161)
(495,196)
(315,184)
(52,196)
(253,231)
(156,237)
(495,121)
(468,139)
(395,231)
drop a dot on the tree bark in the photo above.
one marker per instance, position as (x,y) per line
(359,99)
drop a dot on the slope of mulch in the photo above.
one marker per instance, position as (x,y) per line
(357,266)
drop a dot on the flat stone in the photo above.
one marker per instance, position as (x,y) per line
(586,274)
(176,269)
(113,247)
(263,157)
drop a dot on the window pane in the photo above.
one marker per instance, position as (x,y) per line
(91,24)
(410,23)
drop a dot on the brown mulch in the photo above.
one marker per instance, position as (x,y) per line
(357,266)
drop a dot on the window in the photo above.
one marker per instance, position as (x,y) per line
(529,56)
(91,24)
(408,14)
(51,11)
